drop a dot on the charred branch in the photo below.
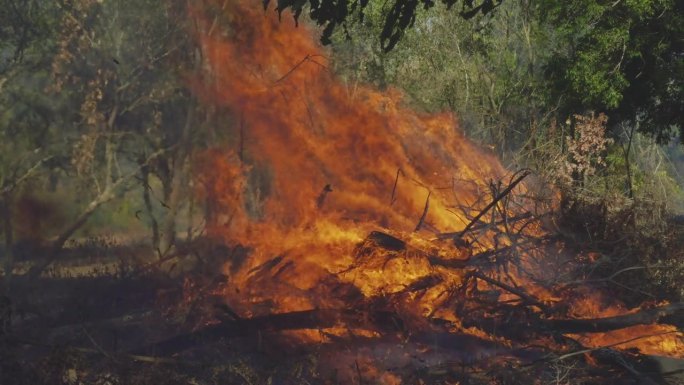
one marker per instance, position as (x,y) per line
(386,241)
(298,320)
(518,292)
(327,189)
(584,351)
(484,226)
(394,189)
(425,212)
(597,325)
(519,323)
(494,202)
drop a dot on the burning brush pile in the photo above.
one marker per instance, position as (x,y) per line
(385,241)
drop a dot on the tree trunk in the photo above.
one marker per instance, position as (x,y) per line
(191,214)
(628,165)
(8,231)
(178,177)
(58,243)
(145,171)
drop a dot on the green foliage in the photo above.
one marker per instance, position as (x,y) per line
(618,57)
(486,69)
(398,17)
(622,58)
(122,217)
(89,90)
(26,29)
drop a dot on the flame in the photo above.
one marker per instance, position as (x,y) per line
(329,156)
(318,165)
(648,339)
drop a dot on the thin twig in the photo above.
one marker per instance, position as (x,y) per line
(307,58)
(394,189)
(241,147)
(501,195)
(11,186)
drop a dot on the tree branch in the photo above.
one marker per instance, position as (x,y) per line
(9,187)
(105,196)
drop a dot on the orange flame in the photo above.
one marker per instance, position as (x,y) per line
(327,156)
(319,165)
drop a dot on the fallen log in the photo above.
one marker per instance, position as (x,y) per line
(307,319)
(386,241)
(389,322)
(521,324)
(597,325)
(464,347)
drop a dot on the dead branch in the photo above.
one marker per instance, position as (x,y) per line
(425,212)
(394,189)
(483,226)
(307,58)
(522,324)
(611,279)
(583,351)
(497,198)
(597,325)
(450,263)
(320,200)
(308,319)
(241,146)
(358,371)
(386,241)
(96,345)
(524,296)
(103,197)
(11,185)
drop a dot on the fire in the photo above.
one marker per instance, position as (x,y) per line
(330,156)
(648,339)
(318,167)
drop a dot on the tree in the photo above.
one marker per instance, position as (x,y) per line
(399,16)
(485,69)
(28,138)
(623,58)
(98,90)
(123,62)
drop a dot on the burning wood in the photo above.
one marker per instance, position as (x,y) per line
(354,277)
(495,201)
(529,330)
(454,279)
